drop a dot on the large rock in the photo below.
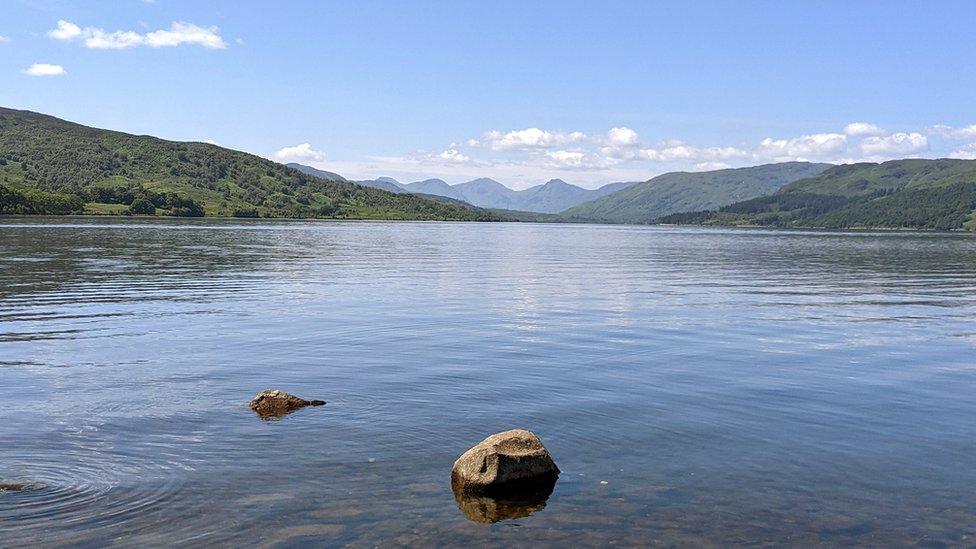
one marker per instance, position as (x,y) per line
(504,464)
(276,403)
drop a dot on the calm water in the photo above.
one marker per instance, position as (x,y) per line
(696,387)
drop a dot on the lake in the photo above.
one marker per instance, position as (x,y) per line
(696,387)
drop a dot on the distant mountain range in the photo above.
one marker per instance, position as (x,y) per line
(51,166)
(552,197)
(612,203)
(913,193)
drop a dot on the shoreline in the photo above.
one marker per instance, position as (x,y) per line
(859,229)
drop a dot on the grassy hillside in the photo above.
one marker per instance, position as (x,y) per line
(117,172)
(919,194)
(685,192)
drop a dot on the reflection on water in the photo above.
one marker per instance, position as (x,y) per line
(696,387)
(493,508)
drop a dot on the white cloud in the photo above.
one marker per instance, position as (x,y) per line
(966,152)
(950,132)
(452,154)
(4,39)
(298,153)
(186,33)
(566,158)
(118,40)
(65,31)
(896,143)
(45,69)
(859,129)
(179,33)
(710,166)
(529,138)
(678,151)
(818,145)
(622,137)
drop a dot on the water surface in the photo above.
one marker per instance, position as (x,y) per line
(696,387)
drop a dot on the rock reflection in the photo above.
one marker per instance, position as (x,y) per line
(513,504)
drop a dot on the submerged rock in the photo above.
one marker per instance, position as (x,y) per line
(504,464)
(273,403)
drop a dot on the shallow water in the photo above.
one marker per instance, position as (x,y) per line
(696,387)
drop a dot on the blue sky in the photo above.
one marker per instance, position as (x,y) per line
(590,92)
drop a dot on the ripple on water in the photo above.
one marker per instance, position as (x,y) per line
(89,492)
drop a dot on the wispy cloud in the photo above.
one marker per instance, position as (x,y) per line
(45,69)
(4,39)
(966,152)
(950,132)
(859,129)
(178,34)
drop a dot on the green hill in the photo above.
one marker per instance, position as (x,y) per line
(866,178)
(690,191)
(915,193)
(48,165)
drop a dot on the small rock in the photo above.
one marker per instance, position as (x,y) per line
(16,486)
(504,463)
(274,403)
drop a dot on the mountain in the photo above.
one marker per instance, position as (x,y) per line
(690,191)
(322,174)
(611,188)
(433,186)
(552,197)
(387,184)
(912,193)
(488,193)
(49,165)
(382,184)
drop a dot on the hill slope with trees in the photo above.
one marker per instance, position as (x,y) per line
(690,191)
(52,166)
(912,194)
